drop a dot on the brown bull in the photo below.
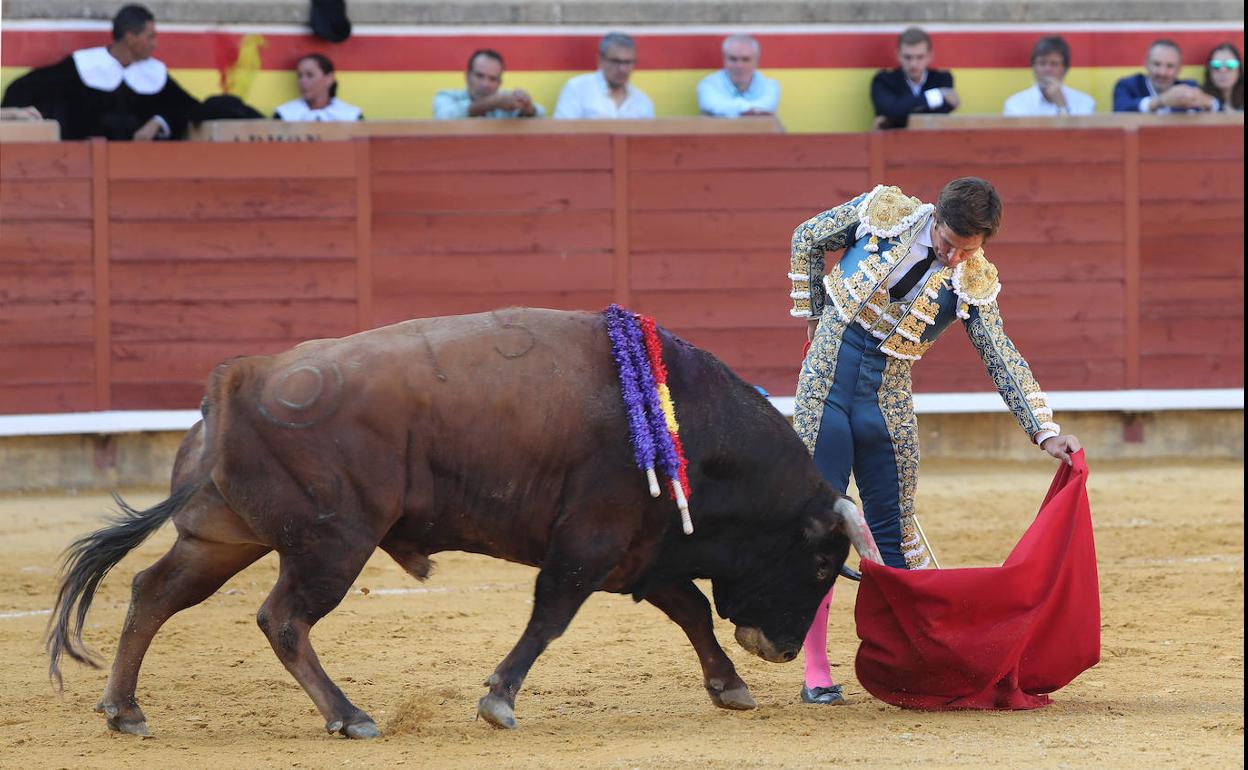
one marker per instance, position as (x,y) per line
(502,434)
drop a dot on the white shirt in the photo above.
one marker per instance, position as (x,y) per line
(1032,102)
(298,111)
(934,97)
(589,96)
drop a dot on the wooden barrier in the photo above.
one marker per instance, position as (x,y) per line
(127,271)
(937,121)
(29,130)
(280,131)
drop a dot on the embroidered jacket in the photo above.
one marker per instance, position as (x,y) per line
(855,289)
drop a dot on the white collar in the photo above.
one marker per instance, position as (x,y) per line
(100,71)
(297,110)
(924,238)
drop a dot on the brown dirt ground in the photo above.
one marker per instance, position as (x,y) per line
(622,689)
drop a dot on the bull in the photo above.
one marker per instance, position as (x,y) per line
(503,434)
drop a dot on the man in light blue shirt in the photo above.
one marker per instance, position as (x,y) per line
(483,98)
(739,88)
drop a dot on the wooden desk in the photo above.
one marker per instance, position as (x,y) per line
(1099,120)
(280,131)
(30,131)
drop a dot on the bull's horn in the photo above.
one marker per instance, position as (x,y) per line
(858,531)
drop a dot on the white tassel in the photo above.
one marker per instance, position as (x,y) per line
(654,482)
(686,521)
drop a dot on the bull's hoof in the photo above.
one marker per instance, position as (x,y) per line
(363,728)
(737,699)
(133,723)
(498,712)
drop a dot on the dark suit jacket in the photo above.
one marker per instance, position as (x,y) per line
(1130,90)
(890,93)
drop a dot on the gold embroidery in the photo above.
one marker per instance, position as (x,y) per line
(815,379)
(976,281)
(914,546)
(1007,367)
(897,409)
(900,347)
(828,230)
(888,208)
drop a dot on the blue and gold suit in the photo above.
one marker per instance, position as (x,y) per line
(854,407)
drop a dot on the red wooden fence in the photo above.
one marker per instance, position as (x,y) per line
(127,271)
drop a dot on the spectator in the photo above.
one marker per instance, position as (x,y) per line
(318,95)
(117,91)
(482,98)
(607,92)
(1050,60)
(739,88)
(1224,78)
(1160,90)
(912,87)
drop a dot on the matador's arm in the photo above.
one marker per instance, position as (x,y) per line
(1009,371)
(831,230)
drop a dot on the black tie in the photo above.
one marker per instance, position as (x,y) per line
(907,282)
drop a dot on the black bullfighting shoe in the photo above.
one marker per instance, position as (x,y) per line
(825,696)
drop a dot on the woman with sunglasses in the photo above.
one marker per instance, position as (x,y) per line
(1224,78)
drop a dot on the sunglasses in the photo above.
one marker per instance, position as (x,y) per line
(1224,64)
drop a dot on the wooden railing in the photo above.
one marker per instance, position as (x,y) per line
(127,271)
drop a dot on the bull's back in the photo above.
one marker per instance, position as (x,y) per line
(472,419)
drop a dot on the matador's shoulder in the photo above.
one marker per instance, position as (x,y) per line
(888,212)
(975,280)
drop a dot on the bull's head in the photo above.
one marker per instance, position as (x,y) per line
(774,603)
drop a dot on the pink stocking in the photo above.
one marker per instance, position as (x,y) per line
(815,648)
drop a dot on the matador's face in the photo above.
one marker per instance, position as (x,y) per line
(953,249)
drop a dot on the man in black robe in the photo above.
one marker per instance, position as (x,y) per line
(117,91)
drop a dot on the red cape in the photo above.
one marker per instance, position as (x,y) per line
(992,637)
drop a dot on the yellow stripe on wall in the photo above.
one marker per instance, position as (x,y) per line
(812,101)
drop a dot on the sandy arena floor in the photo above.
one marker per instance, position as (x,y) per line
(622,688)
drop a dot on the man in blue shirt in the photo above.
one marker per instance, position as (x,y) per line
(739,88)
(483,98)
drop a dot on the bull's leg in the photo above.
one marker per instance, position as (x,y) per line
(308,587)
(567,578)
(189,573)
(689,609)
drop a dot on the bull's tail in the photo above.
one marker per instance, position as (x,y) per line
(857,530)
(86,563)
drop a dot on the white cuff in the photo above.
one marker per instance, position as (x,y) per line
(164,131)
(934,98)
(1145,103)
(1043,436)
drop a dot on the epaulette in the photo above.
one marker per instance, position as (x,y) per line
(887,212)
(975,282)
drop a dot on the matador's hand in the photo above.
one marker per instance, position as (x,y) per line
(1062,447)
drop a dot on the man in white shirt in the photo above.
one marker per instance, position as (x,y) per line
(739,88)
(1050,60)
(606,93)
